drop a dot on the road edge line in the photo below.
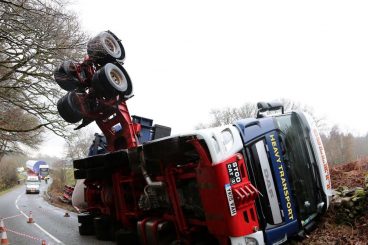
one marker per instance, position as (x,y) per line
(37,225)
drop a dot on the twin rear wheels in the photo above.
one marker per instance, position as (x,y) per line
(109,80)
(112,80)
(104,229)
(105,48)
(65,76)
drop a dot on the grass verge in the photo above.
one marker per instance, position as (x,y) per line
(3,192)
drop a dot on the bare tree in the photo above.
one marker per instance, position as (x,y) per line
(247,110)
(290,105)
(14,118)
(333,144)
(8,176)
(58,176)
(77,146)
(342,147)
(229,115)
(361,146)
(35,36)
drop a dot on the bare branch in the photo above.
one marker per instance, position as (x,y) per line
(24,130)
(35,37)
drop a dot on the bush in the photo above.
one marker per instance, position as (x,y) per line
(61,175)
(8,173)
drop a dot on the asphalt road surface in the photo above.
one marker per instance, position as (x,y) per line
(49,221)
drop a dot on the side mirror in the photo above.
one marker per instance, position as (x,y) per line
(268,106)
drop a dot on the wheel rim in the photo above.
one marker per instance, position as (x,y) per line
(111,45)
(116,77)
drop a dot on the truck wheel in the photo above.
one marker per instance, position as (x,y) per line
(176,242)
(102,227)
(79,174)
(86,224)
(78,164)
(68,109)
(126,237)
(86,229)
(90,162)
(111,80)
(98,173)
(85,218)
(64,76)
(105,47)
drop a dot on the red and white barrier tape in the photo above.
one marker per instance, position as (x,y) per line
(24,235)
(11,217)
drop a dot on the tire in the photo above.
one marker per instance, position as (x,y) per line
(78,164)
(79,174)
(68,109)
(125,237)
(89,162)
(98,173)
(64,76)
(108,161)
(112,80)
(105,47)
(128,93)
(85,218)
(86,229)
(86,224)
(177,242)
(102,227)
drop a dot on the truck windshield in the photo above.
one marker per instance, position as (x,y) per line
(44,171)
(299,164)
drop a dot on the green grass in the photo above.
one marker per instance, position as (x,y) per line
(20,177)
(2,192)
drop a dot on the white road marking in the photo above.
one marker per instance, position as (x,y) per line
(37,225)
(16,202)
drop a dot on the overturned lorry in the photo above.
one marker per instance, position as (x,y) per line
(38,168)
(261,180)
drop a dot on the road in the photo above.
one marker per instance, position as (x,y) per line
(50,224)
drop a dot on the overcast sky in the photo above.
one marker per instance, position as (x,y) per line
(188,57)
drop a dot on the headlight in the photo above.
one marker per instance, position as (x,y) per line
(215,144)
(227,139)
(250,241)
